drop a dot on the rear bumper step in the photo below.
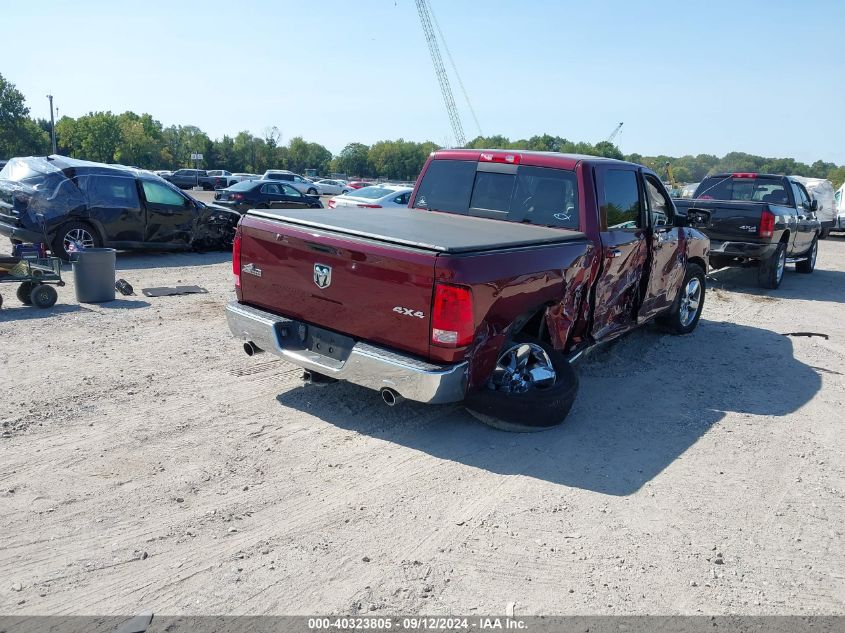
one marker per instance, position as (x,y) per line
(751,250)
(356,362)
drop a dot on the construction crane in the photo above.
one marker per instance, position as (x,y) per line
(454,69)
(614,133)
(440,71)
(670,172)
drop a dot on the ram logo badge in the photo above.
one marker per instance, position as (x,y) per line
(322,275)
(251,269)
(409,312)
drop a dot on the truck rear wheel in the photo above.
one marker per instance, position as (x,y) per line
(771,270)
(532,388)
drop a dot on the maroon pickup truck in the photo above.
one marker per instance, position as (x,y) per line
(505,268)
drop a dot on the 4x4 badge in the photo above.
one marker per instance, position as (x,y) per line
(322,275)
(251,269)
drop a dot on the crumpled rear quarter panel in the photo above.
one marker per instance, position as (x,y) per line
(509,284)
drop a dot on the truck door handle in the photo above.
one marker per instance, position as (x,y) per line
(802,217)
(614,252)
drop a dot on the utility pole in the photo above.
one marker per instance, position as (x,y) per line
(52,125)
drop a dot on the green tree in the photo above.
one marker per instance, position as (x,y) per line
(353,160)
(19,135)
(141,141)
(836,176)
(302,155)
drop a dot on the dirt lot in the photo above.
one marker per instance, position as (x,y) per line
(147,463)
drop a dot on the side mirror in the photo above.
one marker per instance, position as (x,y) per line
(814,205)
(680,220)
(697,217)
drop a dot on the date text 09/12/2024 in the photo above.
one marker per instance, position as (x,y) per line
(417,623)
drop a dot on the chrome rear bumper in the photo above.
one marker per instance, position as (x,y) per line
(361,364)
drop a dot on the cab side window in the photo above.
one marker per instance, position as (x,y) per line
(660,208)
(621,207)
(805,198)
(271,188)
(156,193)
(290,191)
(800,196)
(402,199)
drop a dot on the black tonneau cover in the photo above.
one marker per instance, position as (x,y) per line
(431,230)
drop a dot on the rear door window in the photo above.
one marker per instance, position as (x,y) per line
(535,195)
(112,192)
(271,188)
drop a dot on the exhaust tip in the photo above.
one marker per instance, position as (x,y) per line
(252,349)
(390,397)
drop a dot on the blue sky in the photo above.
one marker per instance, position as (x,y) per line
(686,77)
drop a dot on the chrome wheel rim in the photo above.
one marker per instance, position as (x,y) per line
(690,301)
(77,239)
(523,367)
(781,265)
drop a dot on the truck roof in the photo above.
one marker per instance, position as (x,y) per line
(746,175)
(528,157)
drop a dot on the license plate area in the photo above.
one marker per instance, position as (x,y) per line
(295,335)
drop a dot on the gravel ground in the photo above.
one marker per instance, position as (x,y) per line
(147,463)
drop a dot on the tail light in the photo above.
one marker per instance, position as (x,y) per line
(332,203)
(369,206)
(236,259)
(452,323)
(744,174)
(767,224)
(237,196)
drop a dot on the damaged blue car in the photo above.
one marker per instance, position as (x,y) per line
(75,204)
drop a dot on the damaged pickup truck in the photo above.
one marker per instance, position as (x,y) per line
(505,268)
(76,204)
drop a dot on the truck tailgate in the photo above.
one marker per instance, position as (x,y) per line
(368,290)
(729,221)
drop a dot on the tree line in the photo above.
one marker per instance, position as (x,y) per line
(142,141)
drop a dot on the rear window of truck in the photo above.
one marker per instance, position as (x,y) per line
(535,195)
(743,189)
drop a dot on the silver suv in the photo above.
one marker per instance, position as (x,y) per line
(300,183)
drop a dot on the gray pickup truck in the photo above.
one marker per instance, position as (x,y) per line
(761,220)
